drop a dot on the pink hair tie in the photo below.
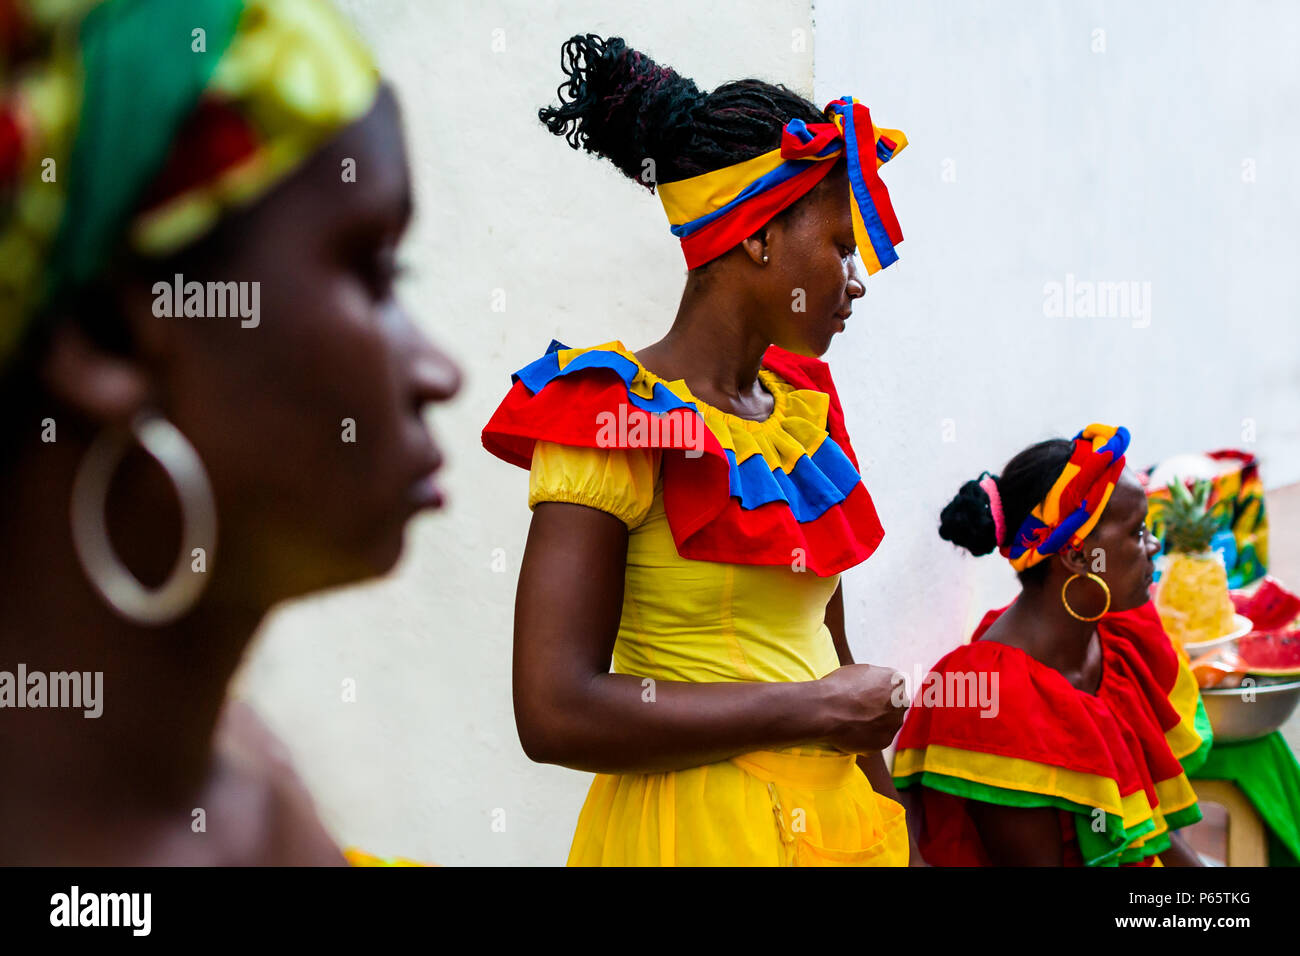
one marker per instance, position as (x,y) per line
(990,486)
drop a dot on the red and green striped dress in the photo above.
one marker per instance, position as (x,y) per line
(1114,763)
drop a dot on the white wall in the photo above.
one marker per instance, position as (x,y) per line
(418,765)
(1123,165)
(1032,157)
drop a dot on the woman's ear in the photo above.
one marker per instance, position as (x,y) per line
(105,387)
(1074,560)
(756,247)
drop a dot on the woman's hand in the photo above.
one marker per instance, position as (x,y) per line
(862,707)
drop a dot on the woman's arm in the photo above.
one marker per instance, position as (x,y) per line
(1018,836)
(571,710)
(1014,836)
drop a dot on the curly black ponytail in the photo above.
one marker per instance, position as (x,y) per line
(967,520)
(618,103)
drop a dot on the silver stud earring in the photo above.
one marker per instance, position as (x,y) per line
(764,258)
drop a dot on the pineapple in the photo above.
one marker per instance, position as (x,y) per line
(1192,599)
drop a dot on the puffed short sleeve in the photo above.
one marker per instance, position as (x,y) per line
(619,481)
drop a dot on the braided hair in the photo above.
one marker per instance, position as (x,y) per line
(620,104)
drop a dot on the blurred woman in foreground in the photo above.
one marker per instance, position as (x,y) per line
(212,403)
(1075,746)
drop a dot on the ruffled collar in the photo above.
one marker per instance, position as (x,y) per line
(799,413)
(782,491)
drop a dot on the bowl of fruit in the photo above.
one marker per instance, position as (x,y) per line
(1251,686)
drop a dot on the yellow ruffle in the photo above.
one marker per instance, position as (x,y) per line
(1029,776)
(1184,696)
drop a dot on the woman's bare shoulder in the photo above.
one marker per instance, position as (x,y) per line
(257,776)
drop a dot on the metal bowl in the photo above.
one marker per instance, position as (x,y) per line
(1246,713)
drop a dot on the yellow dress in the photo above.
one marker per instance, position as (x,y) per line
(359,857)
(705,621)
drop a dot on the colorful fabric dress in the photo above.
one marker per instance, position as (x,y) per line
(737,533)
(1115,764)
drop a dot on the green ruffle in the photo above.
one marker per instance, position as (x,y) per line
(1109,846)
(1201,724)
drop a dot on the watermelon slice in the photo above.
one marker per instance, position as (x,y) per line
(1270,608)
(1274,653)
(1272,649)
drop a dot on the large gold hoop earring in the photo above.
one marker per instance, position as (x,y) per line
(1075,614)
(113,581)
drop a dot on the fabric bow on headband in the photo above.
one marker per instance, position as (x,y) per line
(715,211)
(1074,505)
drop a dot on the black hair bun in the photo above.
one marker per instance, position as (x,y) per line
(967,520)
(623,106)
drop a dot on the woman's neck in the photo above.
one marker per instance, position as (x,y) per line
(159,691)
(1044,630)
(713,343)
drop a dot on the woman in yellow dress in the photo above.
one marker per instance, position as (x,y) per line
(695,502)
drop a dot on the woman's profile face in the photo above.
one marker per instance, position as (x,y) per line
(310,423)
(818,268)
(1121,536)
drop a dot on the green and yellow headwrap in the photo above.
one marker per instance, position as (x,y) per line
(140,123)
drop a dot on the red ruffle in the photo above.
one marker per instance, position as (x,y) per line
(1118,733)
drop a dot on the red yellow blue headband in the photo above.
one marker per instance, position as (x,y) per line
(715,211)
(1074,505)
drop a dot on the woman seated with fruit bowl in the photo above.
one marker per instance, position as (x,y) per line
(1081,756)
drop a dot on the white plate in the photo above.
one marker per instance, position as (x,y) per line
(1242,627)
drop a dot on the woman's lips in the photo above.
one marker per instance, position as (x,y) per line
(425,493)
